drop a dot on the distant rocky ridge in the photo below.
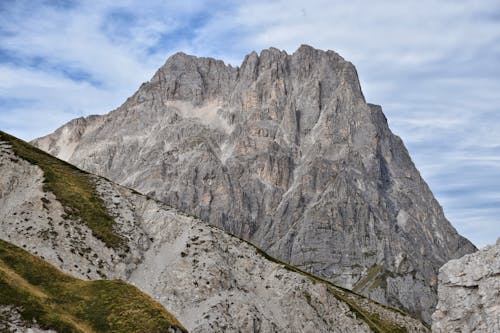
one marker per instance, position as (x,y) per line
(210,281)
(282,151)
(469,293)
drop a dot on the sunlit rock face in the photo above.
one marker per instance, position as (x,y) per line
(285,152)
(469,293)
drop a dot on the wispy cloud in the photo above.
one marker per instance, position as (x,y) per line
(72,58)
(432,64)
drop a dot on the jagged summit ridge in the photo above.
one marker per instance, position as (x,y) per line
(285,152)
(186,77)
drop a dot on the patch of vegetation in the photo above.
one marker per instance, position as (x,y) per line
(372,272)
(372,319)
(60,302)
(379,282)
(74,188)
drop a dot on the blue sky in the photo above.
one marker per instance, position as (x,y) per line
(433,65)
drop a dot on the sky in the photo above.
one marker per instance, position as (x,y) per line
(433,65)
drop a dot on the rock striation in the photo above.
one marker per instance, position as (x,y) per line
(284,152)
(211,281)
(469,293)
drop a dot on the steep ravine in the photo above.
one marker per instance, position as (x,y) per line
(210,281)
(282,151)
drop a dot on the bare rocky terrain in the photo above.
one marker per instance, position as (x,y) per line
(469,293)
(11,321)
(211,281)
(285,152)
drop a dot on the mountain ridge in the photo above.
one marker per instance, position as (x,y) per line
(210,280)
(285,152)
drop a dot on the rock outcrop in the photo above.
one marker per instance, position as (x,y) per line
(11,321)
(469,293)
(284,152)
(210,281)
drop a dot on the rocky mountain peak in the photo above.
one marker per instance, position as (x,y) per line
(285,152)
(198,79)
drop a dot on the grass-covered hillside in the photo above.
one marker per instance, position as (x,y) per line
(60,302)
(73,187)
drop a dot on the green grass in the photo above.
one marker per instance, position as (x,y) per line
(374,278)
(372,272)
(372,319)
(60,302)
(72,187)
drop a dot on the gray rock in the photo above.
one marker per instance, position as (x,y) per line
(469,293)
(210,281)
(285,152)
(12,322)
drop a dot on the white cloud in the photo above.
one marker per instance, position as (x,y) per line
(66,64)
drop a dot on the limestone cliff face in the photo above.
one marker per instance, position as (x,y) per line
(469,293)
(210,281)
(285,152)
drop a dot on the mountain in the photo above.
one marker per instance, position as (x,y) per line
(284,152)
(469,293)
(211,281)
(35,295)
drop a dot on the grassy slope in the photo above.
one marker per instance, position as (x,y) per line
(372,272)
(63,303)
(74,188)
